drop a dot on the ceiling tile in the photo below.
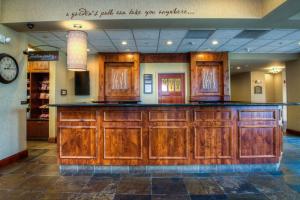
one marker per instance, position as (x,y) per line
(101,42)
(228,48)
(119,34)
(146,34)
(166,50)
(238,42)
(126,48)
(163,43)
(44,36)
(276,34)
(61,35)
(57,43)
(97,35)
(258,43)
(208,44)
(118,43)
(281,43)
(169,34)
(147,49)
(192,42)
(293,36)
(106,49)
(225,34)
(146,42)
(264,49)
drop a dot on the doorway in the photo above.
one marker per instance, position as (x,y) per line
(171,88)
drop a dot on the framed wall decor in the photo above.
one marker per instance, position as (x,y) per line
(148,83)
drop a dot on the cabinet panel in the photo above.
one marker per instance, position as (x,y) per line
(213,142)
(78,142)
(213,115)
(122,116)
(257,142)
(78,116)
(123,143)
(37,129)
(168,143)
(168,115)
(245,115)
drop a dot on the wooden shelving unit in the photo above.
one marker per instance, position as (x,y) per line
(38,100)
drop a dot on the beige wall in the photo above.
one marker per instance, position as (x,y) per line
(60,78)
(241,87)
(293,93)
(260,76)
(12,114)
(93,67)
(270,87)
(55,10)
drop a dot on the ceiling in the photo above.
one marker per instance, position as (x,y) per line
(183,40)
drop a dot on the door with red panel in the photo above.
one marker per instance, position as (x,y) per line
(171,88)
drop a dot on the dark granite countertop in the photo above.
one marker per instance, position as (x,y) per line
(130,104)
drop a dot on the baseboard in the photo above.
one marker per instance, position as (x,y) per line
(13,158)
(52,139)
(293,132)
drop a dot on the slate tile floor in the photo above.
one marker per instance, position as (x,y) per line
(37,177)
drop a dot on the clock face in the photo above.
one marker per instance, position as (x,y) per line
(8,68)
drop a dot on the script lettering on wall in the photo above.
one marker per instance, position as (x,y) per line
(132,12)
(120,79)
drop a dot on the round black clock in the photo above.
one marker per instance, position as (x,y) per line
(9,68)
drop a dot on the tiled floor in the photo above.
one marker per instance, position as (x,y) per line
(37,177)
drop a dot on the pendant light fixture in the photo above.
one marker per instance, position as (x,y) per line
(77,50)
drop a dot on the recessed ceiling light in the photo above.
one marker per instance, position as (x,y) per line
(88,50)
(215,42)
(169,42)
(238,67)
(124,42)
(78,26)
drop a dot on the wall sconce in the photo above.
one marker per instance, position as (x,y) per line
(4,39)
(77,51)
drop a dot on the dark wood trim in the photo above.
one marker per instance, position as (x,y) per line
(52,139)
(14,158)
(165,58)
(293,132)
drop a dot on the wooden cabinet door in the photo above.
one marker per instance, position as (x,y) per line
(208,76)
(118,80)
(171,88)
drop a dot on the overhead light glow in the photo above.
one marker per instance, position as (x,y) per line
(215,42)
(77,26)
(275,70)
(77,51)
(30,49)
(124,43)
(169,42)
(238,67)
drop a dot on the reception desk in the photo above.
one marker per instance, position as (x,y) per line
(229,133)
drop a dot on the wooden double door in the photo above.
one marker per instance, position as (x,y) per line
(171,88)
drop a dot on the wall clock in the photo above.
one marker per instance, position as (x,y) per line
(9,68)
